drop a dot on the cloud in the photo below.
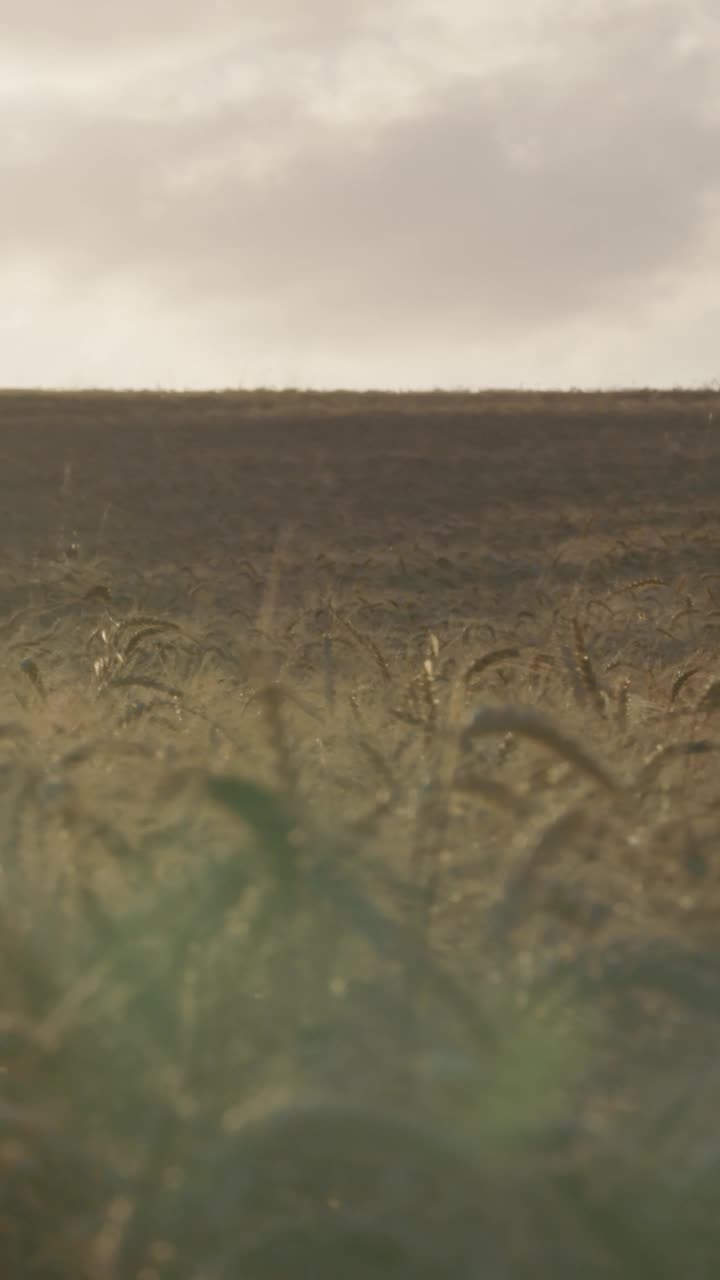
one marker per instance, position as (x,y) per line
(351,191)
(85,29)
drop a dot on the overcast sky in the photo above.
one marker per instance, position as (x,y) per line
(359,193)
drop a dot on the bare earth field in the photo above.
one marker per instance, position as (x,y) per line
(359,836)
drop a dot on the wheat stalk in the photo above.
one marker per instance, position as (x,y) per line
(586,669)
(365,641)
(489,659)
(681,680)
(526,722)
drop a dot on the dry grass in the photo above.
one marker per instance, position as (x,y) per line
(360,899)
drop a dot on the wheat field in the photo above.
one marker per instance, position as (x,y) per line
(360,872)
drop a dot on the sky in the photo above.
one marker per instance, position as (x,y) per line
(401,194)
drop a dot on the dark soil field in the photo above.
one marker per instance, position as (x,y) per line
(360,836)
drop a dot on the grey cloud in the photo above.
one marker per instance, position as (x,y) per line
(83,28)
(504,204)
